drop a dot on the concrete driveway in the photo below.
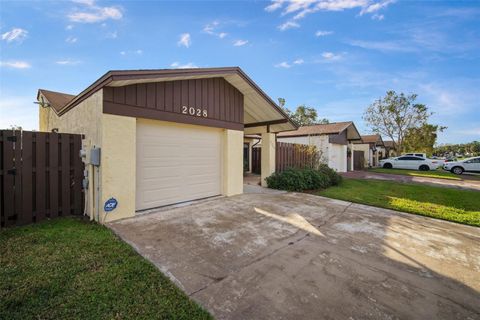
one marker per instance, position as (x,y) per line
(299,256)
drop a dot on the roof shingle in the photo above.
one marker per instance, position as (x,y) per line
(57,100)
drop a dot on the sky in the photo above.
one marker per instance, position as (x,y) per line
(337,56)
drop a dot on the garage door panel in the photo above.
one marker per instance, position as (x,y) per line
(176,163)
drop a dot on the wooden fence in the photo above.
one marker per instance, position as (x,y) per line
(287,155)
(40,176)
(294,155)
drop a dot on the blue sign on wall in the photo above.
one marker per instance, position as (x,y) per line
(110,204)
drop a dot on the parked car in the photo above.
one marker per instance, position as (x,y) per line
(422,155)
(410,162)
(466,165)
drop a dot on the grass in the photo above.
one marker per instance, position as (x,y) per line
(69,268)
(439,174)
(455,205)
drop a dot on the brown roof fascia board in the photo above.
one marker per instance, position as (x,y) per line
(265,123)
(97,85)
(145,74)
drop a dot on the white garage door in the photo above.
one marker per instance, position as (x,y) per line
(176,163)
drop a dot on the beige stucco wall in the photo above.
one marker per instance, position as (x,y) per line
(118,166)
(232,179)
(86,118)
(337,157)
(268,156)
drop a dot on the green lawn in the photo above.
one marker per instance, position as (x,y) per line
(440,173)
(462,206)
(69,268)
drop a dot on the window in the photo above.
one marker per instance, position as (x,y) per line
(476,160)
(410,158)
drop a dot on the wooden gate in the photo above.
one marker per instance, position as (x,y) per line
(40,176)
(358,160)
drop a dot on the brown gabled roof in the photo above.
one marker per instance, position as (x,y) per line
(57,100)
(388,144)
(124,77)
(317,129)
(373,138)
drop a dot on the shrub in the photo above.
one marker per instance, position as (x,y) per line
(299,179)
(334,177)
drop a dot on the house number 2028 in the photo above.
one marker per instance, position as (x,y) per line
(194,111)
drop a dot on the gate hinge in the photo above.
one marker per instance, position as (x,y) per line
(12,171)
(12,138)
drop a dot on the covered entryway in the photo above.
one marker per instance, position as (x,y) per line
(176,163)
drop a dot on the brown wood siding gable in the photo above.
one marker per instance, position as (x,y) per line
(165,101)
(340,138)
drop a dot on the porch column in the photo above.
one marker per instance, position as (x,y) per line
(351,156)
(268,156)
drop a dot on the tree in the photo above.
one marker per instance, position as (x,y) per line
(393,115)
(303,115)
(422,139)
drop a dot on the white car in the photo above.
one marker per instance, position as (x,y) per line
(422,155)
(410,162)
(466,165)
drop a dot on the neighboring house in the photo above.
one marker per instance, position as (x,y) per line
(165,136)
(390,149)
(373,147)
(333,141)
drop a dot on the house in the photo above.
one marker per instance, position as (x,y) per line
(159,137)
(333,141)
(373,147)
(390,149)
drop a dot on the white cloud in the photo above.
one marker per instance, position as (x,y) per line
(211,28)
(71,39)
(288,25)
(276,4)
(298,61)
(374,7)
(112,35)
(69,27)
(137,52)
(92,13)
(301,8)
(17,64)
(16,34)
(185,40)
(239,43)
(67,62)
(378,17)
(85,2)
(330,56)
(283,64)
(384,46)
(178,65)
(322,33)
